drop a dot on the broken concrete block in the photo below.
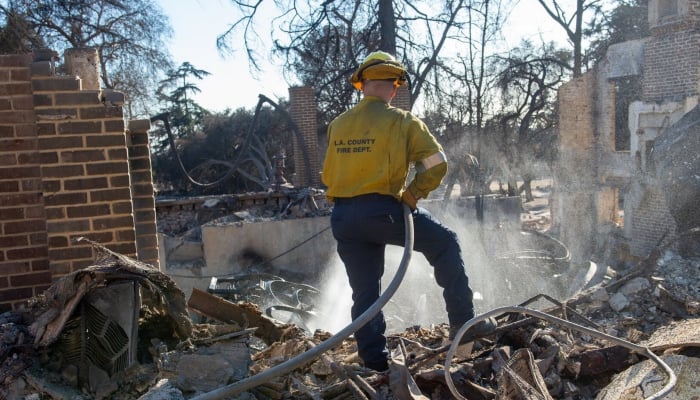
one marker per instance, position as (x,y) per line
(163,390)
(203,372)
(634,286)
(600,294)
(644,379)
(618,302)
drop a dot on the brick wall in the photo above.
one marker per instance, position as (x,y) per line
(664,80)
(651,222)
(142,192)
(24,262)
(574,211)
(303,112)
(676,38)
(67,165)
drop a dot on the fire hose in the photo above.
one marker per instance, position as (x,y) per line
(310,355)
(541,315)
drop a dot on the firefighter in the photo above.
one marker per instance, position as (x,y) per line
(370,149)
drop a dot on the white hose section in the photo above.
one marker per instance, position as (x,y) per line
(513,309)
(303,358)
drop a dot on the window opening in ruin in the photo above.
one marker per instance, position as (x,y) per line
(627,89)
(650,166)
(667,8)
(620,208)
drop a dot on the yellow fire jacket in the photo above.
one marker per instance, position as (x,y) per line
(370,150)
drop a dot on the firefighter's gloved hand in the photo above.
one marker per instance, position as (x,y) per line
(407,197)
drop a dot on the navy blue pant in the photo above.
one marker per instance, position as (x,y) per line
(363,226)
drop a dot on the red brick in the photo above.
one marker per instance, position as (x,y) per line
(38,239)
(51,186)
(36,211)
(128,235)
(107,168)
(27,253)
(7,241)
(117,154)
(17,117)
(9,186)
(31,185)
(8,159)
(10,268)
(15,294)
(150,241)
(53,213)
(36,278)
(16,60)
(65,199)
(59,269)
(28,158)
(48,157)
(56,114)
(100,224)
(5,104)
(4,282)
(20,199)
(22,172)
(62,171)
(139,152)
(25,226)
(42,100)
(26,130)
(101,112)
(121,207)
(86,211)
(18,144)
(23,102)
(146,229)
(128,249)
(58,241)
(60,142)
(20,74)
(80,225)
(119,181)
(82,156)
(104,140)
(40,265)
(13,89)
(140,164)
(7,214)
(139,139)
(45,129)
(55,84)
(71,253)
(109,195)
(80,127)
(77,98)
(99,237)
(7,131)
(80,264)
(85,183)
(142,190)
(114,126)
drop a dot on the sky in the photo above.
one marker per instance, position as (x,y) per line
(197,23)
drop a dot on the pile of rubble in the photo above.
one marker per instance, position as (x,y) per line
(654,305)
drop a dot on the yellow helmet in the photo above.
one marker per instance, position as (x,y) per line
(379,65)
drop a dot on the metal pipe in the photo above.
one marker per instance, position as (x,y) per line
(309,355)
(514,309)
